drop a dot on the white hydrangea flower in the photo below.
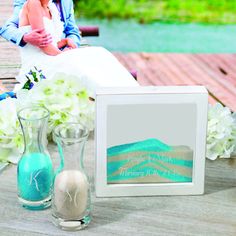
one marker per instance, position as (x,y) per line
(221,135)
(65,97)
(11,139)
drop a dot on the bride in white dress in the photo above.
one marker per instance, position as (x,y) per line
(94,66)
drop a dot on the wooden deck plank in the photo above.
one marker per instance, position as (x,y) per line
(223,90)
(218,65)
(157,64)
(205,76)
(144,76)
(190,79)
(184,78)
(229,63)
(160,74)
(8,72)
(160,66)
(6,8)
(209,66)
(7,85)
(192,74)
(232,58)
(149,71)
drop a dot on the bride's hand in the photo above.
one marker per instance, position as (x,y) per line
(66,44)
(71,44)
(66,49)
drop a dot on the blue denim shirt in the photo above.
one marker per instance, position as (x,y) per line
(11,32)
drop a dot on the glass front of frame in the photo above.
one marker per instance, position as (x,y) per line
(150,143)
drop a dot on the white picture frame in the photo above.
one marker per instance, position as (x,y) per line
(180,113)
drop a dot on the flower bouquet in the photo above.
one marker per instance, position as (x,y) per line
(63,95)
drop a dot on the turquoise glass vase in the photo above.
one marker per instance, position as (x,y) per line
(34,171)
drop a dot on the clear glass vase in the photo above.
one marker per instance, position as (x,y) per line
(34,170)
(71,191)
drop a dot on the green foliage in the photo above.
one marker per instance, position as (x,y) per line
(206,11)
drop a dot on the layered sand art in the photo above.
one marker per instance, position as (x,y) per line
(149,161)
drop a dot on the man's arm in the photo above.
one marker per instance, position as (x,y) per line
(71,29)
(10,30)
(21,36)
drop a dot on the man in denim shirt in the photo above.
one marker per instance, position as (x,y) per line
(39,37)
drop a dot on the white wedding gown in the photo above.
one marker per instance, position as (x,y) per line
(94,66)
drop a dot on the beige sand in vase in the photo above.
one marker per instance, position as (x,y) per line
(71,189)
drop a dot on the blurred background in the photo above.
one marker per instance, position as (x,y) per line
(199,26)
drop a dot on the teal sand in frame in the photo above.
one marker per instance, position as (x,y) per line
(149,161)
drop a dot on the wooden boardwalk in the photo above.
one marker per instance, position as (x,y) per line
(9,54)
(215,71)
